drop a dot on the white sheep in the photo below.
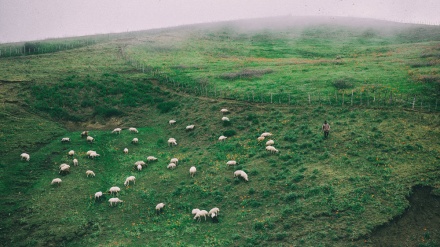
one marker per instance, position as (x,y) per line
(139,167)
(117,130)
(151,158)
(260,138)
(84,133)
(98,195)
(190,127)
(272,149)
(71,153)
(133,130)
(89,152)
(231,163)
(130,179)
(125,150)
(213,212)
(140,162)
(172,141)
(25,156)
(171,166)
(114,200)
(240,173)
(224,110)
(114,190)
(93,155)
(222,138)
(195,211)
(192,171)
(63,164)
(174,160)
(171,122)
(225,119)
(56,181)
(90,139)
(266,134)
(65,139)
(64,168)
(90,172)
(75,162)
(160,206)
(200,214)
(270,143)
(135,141)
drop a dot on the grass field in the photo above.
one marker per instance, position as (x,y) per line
(315,192)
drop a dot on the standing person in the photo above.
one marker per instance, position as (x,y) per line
(326,129)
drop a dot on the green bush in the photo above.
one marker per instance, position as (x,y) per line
(229,133)
(165,107)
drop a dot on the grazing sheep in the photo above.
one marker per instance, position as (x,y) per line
(90,172)
(90,139)
(71,153)
(135,141)
(200,214)
(159,207)
(195,211)
(222,138)
(56,181)
(139,167)
(171,122)
(172,142)
(84,134)
(140,162)
(224,110)
(225,119)
(174,160)
(190,127)
(266,134)
(89,152)
(64,164)
(25,156)
(64,168)
(151,158)
(129,179)
(114,200)
(65,139)
(125,150)
(192,171)
(133,130)
(171,166)
(260,138)
(114,190)
(270,143)
(98,195)
(117,130)
(75,162)
(231,163)
(93,155)
(240,173)
(213,212)
(272,149)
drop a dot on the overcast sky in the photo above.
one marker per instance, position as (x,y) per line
(22,20)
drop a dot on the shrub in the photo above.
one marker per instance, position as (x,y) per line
(229,133)
(165,107)
(107,112)
(342,84)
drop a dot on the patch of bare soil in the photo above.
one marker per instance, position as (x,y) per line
(418,226)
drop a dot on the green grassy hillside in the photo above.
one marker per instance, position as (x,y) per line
(314,192)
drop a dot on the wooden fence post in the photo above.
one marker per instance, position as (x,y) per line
(271,98)
(309,99)
(414,102)
(351,97)
(343,96)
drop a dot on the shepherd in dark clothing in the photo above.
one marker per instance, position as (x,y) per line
(326,129)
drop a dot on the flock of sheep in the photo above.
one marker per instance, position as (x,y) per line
(198,214)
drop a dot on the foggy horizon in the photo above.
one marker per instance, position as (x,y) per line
(27,20)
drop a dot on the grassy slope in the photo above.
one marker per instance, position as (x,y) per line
(313,192)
